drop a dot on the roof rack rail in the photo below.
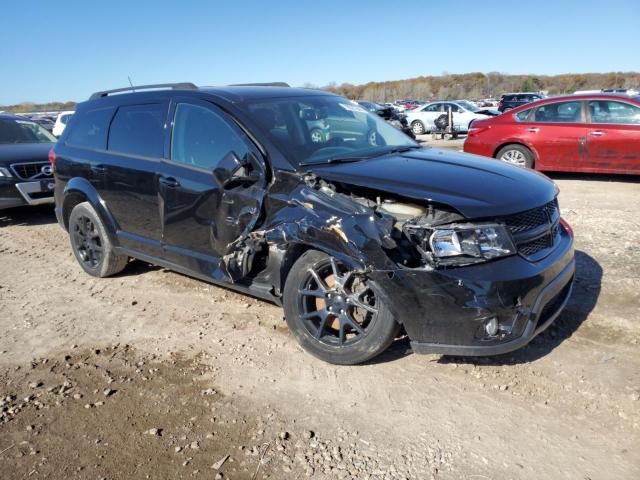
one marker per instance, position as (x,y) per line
(133,88)
(268,84)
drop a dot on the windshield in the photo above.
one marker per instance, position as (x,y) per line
(23,131)
(316,129)
(468,105)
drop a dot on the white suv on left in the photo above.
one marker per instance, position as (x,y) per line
(61,122)
(464,113)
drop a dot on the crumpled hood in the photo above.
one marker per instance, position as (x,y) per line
(475,186)
(24,152)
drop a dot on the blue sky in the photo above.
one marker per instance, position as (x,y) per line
(64,50)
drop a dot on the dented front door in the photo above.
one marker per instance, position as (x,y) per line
(211,191)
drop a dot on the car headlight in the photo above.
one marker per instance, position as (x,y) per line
(477,242)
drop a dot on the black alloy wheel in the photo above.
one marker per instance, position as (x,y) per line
(335,312)
(86,239)
(337,307)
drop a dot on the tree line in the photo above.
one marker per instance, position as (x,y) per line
(479,85)
(26,107)
(448,86)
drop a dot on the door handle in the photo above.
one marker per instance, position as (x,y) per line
(533,130)
(596,133)
(169,182)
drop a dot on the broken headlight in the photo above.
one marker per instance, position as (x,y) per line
(477,241)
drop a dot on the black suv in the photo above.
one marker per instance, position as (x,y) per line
(510,101)
(358,235)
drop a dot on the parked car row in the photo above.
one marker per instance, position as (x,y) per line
(310,201)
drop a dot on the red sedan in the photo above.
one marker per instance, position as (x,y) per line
(577,133)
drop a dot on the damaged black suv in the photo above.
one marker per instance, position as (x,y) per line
(359,232)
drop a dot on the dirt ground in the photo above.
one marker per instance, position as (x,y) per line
(151,374)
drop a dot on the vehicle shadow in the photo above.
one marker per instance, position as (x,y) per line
(586,290)
(35,215)
(137,267)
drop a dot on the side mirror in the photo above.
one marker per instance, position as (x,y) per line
(233,170)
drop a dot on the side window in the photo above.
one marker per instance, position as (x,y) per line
(137,130)
(202,138)
(523,115)
(454,108)
(89,129)
(562,112)
(605,111)
(433,108)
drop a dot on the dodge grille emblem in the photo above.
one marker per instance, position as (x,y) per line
(47,170)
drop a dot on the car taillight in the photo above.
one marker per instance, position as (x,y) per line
(476,129)
(52,158)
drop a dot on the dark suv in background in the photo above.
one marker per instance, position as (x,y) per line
(357,234)
(510,101)
(26,176)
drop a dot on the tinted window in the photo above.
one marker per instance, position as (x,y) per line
(564,112)
(202,138)
(137,130)
(432,108)
(89,129)
(604,111)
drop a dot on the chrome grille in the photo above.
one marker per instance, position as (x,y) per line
(30,171)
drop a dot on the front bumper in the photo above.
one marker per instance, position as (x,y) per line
(16,194)
(446,311)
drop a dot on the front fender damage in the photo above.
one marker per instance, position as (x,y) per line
(359,227)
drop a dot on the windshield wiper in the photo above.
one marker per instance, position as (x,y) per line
(340,160)
(404,148)
(357,158)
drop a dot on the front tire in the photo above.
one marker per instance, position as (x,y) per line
(90,243)
(335,313)
(515,154)
(417,127)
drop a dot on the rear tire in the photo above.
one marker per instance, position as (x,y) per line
(516,154)
(90,243)
(334,313)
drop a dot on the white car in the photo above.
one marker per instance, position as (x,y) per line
(422,118)
(61,122)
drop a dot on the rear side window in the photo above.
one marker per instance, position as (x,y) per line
(89,129)
(138,130)
(562,112)
(604,111)
(433,108)
(202,138)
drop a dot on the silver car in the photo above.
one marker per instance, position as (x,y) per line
(464,113)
